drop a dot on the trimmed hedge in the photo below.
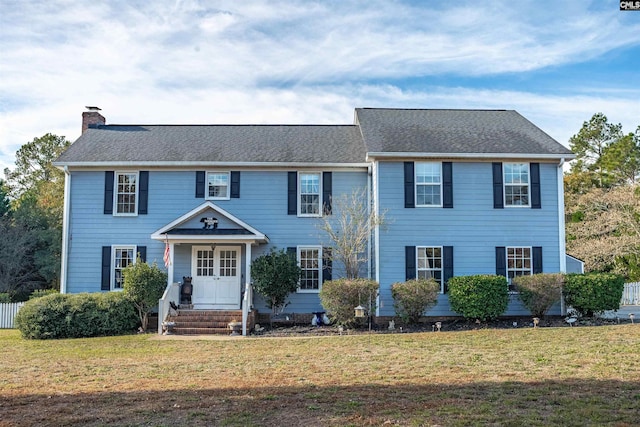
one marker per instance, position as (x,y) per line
(593,293)
(77,316)
(481,297)
(413,297)
(539,292)
(340,297)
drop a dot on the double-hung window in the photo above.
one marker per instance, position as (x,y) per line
(309,193)
(516,184)
(430,263)
(122,257)
(310,261)
(217,185)
(428,184)
(518,263)
(126,193)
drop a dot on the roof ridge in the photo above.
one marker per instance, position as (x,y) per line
(231,124)
(433,109)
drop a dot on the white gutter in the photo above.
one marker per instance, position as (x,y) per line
(412,155)
(200,163)
(65,231)
(376,234)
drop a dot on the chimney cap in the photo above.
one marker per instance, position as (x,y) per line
(93,108)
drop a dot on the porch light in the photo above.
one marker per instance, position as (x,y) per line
(359,311)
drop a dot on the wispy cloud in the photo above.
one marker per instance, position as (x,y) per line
(295,61)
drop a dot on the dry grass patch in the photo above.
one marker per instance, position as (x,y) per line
(548,376)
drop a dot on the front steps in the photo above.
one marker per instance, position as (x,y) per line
(205,322)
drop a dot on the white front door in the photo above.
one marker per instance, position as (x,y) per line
(216,277)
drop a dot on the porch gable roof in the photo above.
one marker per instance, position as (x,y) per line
(173,231)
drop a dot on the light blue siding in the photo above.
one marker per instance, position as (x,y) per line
(262,205)
(473,227)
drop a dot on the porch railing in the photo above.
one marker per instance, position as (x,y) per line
(247,302)
(171,293)
(631,294)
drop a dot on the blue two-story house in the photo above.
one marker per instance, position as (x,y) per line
(463,192)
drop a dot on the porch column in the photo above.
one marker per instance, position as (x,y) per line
(247,262)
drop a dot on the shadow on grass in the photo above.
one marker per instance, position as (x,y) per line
(566,403)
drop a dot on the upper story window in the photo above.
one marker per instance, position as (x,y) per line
(309,193)
(123,256)
(428,184)
(310,261)
(430,263)
(516,184)
(217,185)
(518,263)
(126,193)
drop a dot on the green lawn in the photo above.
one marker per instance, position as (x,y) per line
(521,377)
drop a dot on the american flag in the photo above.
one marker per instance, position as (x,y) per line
(167,254)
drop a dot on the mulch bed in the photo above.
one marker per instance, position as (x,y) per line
(448,325)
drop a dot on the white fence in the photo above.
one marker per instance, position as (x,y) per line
(8,313)
(631,294)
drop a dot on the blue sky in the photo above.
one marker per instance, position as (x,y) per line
(209,62)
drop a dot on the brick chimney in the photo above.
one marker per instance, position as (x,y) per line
(92,118)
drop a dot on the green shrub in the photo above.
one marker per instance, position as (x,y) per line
(340,297)
(144,285)
(43,293)
(275,275)
(413,297)
(5,298)
(593,293)
(76,315)
(539,291)
(481,297)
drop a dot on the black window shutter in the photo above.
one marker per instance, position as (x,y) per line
(106,268)
(537,259)
(534,169)
(235,185)
(142,251)
(498,197)
(410,262)
(326,193)
(292,193)
(293,252)
(200,178)
(501,261)
(409,186)
(447,185)
(447,266)
(108,192)
(327,264)
(143,192)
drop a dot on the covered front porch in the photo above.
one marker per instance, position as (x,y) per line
(211,249)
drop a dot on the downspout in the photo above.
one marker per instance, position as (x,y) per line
(561,230)
(65,230)
(369,248)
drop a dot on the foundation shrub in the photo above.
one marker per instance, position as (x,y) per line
(593,293)
(539,292)
(76,315)
(340,297)
(481,297)
(413,297)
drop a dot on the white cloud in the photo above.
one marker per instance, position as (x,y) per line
(292,62)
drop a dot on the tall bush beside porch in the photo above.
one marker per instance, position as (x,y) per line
(275,276)
(481,297)
(144,285)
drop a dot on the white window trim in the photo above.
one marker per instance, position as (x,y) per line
(228,196)
(504,185)
(416,184)
(307,247)
(113,264)
(506,255)
(320,201)
(115,193)
(432,269)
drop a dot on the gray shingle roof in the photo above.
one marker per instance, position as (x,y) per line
(217,143)
(453,132)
